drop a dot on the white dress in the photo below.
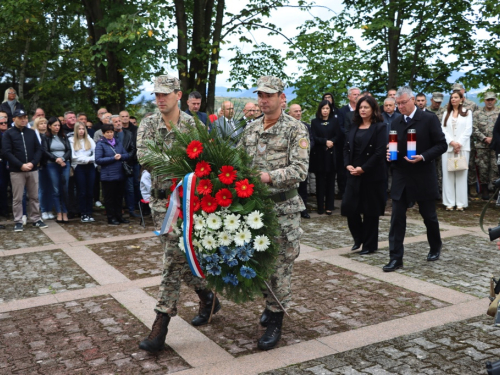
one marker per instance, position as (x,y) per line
(459,130)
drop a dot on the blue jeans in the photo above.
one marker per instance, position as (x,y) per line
(59,177)
(44,190)
(84,178)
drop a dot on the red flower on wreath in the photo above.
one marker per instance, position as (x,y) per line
(196,203)
(208,204)
(244,189)
(227,175)
(224,197)
(194,149)
(204,187)
(202,169)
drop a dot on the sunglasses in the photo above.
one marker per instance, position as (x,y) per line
(3,123)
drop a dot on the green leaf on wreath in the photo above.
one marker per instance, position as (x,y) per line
(236,208)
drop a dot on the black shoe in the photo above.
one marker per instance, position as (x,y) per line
(122,220)
(272,335)
(2,226)
(40,224)
(305,215)
(156,339)
(321,212)
(113,221)
(393,265)
(264,318)
(18,227)
(432,256)
(366,251)
(329,212)
(206,301)
(356,246)
(133,214)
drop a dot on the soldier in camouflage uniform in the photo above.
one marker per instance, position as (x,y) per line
(482,134)
(472,174)
(436,108)
(280,145)
(158,127)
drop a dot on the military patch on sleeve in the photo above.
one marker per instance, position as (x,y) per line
(303,143)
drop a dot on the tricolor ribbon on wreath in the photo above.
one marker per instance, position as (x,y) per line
(189,182)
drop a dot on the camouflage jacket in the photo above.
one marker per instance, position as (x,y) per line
(482,125)
(439,112)
(154,128)
(469,104)
(283,152)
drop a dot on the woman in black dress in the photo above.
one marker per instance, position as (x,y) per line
(325,130)
(364,159)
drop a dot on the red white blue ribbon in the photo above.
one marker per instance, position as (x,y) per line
(188,211)
(189,183)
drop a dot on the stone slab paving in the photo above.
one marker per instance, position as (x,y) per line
(136,259)
(91,336)
(100,228)
(465,265)
(331,232)
(327,300)
(40,273)
(30,237)
(456,348)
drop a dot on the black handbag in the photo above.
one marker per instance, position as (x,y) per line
(127,169)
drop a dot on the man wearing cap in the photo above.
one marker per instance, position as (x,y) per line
(280,145)
(483,123)
(22,150)
(436,100)
(159,128)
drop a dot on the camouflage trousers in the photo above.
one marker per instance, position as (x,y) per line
(175,269)
(439,170)
(486,162)
(289,250)
(472,174)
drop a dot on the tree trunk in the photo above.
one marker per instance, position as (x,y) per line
(22,73)
(394,36)
(182,47)
(214,60)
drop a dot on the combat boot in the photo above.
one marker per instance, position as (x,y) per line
(156,339)
(486,193)
(206,301)
(264,318)
(472,191)
(273,331)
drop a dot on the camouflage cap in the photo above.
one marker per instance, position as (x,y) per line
(490,95)
(270,85)
(437,97)
(166,84)
(457,86)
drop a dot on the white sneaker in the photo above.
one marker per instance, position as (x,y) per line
(98,204)
(51,215)
(24,219)
(45,216)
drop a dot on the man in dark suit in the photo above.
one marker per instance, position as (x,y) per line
(225,124)
(194,103)
(248,114)
(414,179)
(352,95)
(389,114)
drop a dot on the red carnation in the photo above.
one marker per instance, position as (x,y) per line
(196,203)
(174,184)
(208,204)
(224,197)
(194,149)
(227,175)
(202,169)
(244,189)
(204,187)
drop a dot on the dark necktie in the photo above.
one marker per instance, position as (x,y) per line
(408,119)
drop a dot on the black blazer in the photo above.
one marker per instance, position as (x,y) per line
(495,143)
(419,180)
(49,156)
(373,152)
(323,159)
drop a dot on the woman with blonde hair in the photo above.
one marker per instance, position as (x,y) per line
(457,128)
(44,181)
(10,104)
(83,163)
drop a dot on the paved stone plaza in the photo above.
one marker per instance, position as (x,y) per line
(77,299)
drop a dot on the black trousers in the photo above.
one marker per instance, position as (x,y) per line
(325,191)
(397,232)
(364,230)
(341,171)
(303,191)
(113,197)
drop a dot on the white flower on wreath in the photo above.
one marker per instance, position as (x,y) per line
(254,220)
(261,243)
(209,242)
(232,222)
(214,221)
(225,239)
(181,244)
(197,244)
(242,237)
(199,222)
